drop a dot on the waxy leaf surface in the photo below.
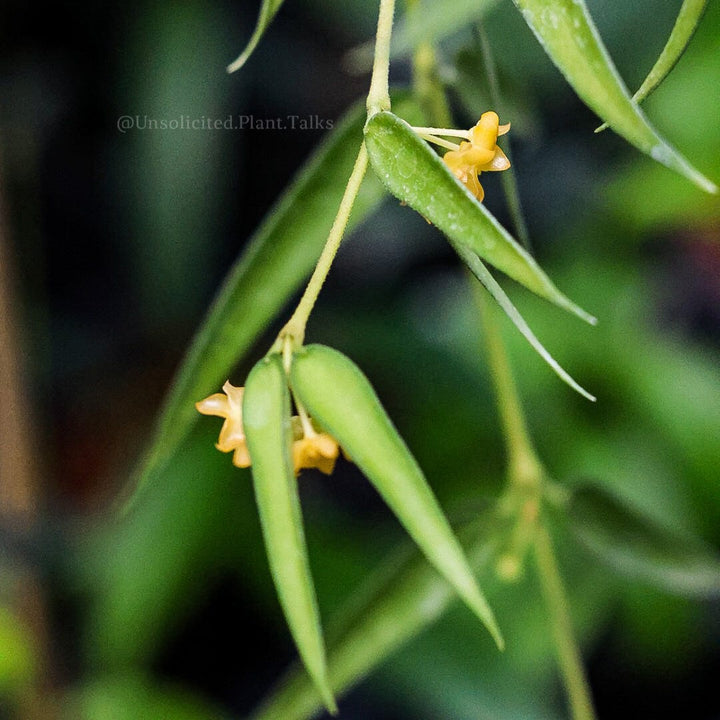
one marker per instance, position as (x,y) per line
(266,419)
(340,398)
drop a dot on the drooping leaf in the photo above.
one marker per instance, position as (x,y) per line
(268,9)
(266,420)
(687,21)
(404,596)
(478,269)
(416,175)
(280,255)
(640,548)
(569,37)
(341,399)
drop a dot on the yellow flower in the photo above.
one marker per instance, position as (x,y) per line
(232,435)
(319,450)
(310,448)
(479,153)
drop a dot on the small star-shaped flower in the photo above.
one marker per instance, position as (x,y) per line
(318,450)
(232,435)
(479,154)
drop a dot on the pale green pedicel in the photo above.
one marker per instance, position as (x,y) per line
(268,9)
(568,35)
(340,398)
(266,420)
(416,175)
(687,22)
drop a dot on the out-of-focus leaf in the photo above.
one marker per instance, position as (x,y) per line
(416,175)
(431,21)
(266,420)
(404,596)
(17,658)
(147,570)
(341,399)
(640,548)
(267,13)
(478,269)
(132,698)
(280,255)
(569,37)
(435,20)
(687,21)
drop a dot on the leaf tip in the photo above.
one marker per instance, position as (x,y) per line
(484,612)
(328,697)
(666,155)
(236,64)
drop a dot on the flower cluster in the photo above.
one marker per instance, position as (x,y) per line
(479,153)
(310,448)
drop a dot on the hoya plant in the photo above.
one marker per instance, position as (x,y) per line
(306,406)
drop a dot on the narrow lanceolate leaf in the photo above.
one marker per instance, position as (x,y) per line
(266,419)
(267,13)
(280,255)
(397,602)
(478,269)
(416,175)
(640,548)
(569,37)
(687,21)
(341,399)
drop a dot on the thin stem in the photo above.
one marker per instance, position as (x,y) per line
(568,653)
(295,327)
(524,466)
(379,96)
(427,86)
(449,132)
(439,141)
(508,179)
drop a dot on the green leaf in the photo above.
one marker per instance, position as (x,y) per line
(129,697)
(569,37)
(266,420)
(478,269)
(436,20)
(267,13)
(640,548)
(404,596)
(280,255)
(687,21)
(341,399)
(416,175)
(18,663)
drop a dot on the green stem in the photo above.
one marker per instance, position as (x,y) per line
(379,96)
(566,648)
(427,86)
(295,327)
(524,468)
(508,178)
